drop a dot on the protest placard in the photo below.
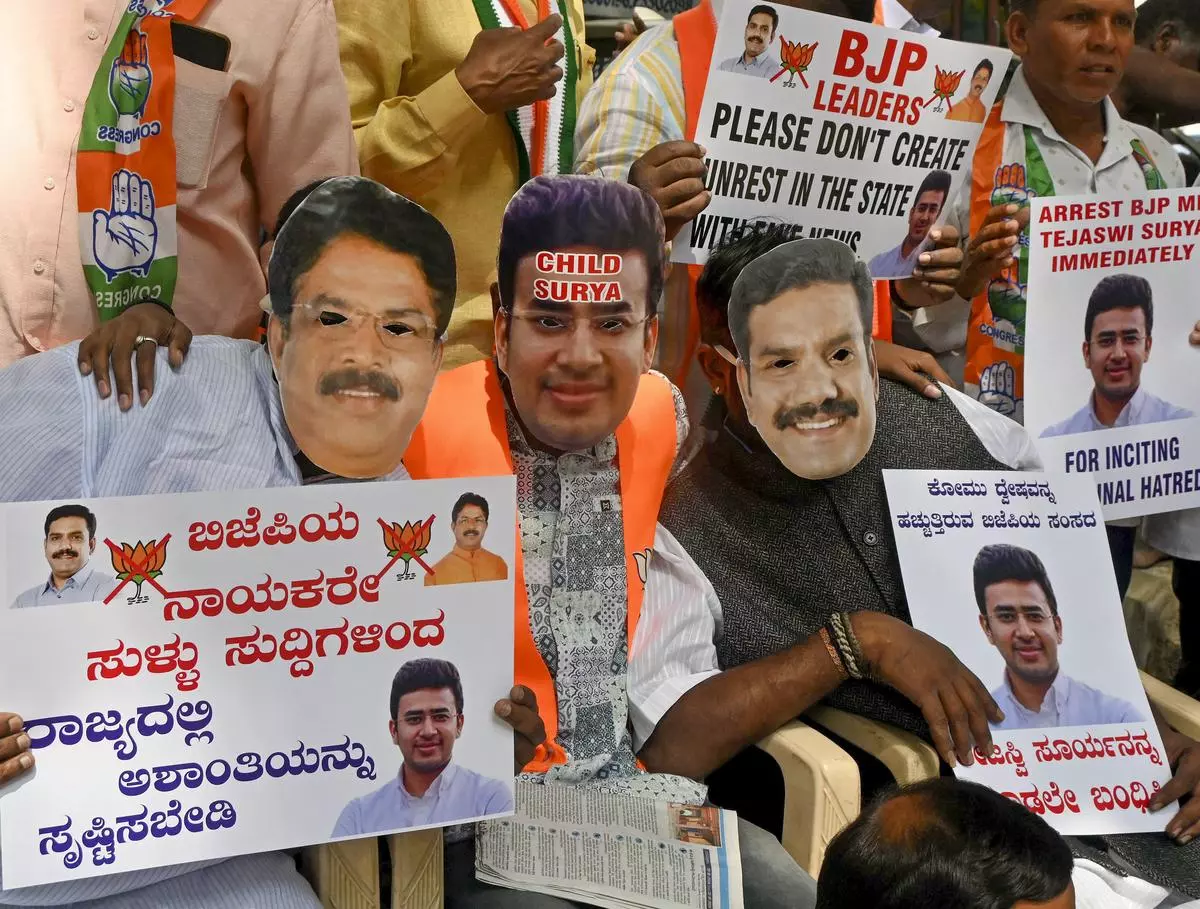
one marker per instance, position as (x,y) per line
(839,128)
(1011,571)
(1112,280)
(210,674)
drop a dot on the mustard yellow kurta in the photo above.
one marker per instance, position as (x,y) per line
(419,134)
(462,566)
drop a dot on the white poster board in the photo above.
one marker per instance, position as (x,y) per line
(834,126)
(1124,403)
(232,695)
(1091,758)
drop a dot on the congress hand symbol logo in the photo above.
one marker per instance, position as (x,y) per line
(125,236)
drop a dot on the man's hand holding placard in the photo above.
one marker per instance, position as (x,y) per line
(673,174)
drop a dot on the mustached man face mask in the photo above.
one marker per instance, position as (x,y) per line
(800,317)
(362,284)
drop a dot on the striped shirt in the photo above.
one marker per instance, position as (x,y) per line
(215,424)
(636,104)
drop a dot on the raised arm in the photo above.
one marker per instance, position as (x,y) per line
(410,140)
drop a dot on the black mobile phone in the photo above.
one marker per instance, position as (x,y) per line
(199,45)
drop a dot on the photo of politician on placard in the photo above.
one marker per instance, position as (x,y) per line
(426,711)
(69,541)
(1113,351)
(756,59)
(1118,333)
(1019,616)
(468,561)
(929,200)
(1011,573)
(971,109)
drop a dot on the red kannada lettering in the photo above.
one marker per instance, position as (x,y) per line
(239,533)
(1011,757)
(270,595)
(1090,747)
(1135,795)
(1052,799)
(299,646)
(178,657)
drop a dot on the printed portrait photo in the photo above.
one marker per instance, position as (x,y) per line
(756,59)
(468,561)
(426,717)
(928,201)
(1118,337)
(1022,617)
(77,567)
(971,109)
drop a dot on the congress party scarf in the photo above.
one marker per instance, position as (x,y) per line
(125,170)
(544,131)
(994,371)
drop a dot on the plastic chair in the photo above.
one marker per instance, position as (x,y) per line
(1181,711)
(345,875)
(821,793)
(908,758)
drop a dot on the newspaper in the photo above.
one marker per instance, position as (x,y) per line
(614,851)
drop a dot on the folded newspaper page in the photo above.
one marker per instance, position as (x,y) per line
(615,851)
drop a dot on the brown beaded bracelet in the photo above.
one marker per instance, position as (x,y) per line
(833,654)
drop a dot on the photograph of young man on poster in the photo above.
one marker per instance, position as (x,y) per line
(69,542)
(1117,337)
(426,719)
(927,207)
(1018,613)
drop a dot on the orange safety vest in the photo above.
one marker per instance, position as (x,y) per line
(464,433)
(696,35)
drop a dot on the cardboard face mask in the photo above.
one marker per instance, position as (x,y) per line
(580,269)
(362,283)
(806,367)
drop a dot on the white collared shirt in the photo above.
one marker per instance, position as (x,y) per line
(1139,410)
(1067,703)
(944,327)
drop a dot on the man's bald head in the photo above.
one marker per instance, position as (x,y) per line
(946,842)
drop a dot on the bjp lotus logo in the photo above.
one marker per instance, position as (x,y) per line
(407,541)
(139,564)
(945,86)
(795,58)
